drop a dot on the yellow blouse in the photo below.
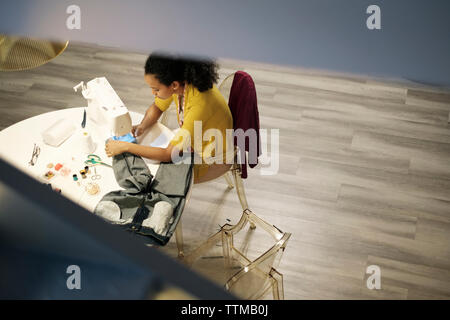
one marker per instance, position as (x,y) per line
(212,112)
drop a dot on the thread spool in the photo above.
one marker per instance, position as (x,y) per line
(87,144)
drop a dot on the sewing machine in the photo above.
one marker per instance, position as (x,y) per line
(105,107)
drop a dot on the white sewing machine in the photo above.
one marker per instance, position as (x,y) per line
(105,107)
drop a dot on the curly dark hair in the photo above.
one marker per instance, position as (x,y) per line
(202,74)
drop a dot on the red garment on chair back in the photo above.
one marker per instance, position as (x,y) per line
(244,109)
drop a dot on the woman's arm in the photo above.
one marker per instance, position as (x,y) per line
(113,148)
(160,154)
(152,115)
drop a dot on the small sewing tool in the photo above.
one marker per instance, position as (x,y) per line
(65,171)
(35,155)
(96,176)
(83,123)
(93,159)
(83,174)
(75,177)
(49,174)
(92,188)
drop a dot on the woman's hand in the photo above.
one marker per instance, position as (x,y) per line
(114,147)
(138,130)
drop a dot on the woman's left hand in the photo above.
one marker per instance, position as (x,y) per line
(114,147)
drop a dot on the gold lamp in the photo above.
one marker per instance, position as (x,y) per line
(18,53)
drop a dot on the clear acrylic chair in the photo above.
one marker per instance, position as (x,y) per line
(179,228)
(235,171)
(245,277)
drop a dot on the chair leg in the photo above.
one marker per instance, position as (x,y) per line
(241,194)
(179,239)
(228,179)
(277,285)
(227,243)
(275,290)
(240,190)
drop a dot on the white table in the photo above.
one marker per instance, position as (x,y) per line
(17,141)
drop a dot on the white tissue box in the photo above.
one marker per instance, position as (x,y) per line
(59,132)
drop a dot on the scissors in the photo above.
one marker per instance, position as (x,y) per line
(35,155)
(94,159)
(96,176)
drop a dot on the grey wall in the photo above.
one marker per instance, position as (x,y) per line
(326,34)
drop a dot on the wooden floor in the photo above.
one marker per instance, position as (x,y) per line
(364,176)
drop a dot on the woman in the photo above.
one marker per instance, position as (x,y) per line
(200,105)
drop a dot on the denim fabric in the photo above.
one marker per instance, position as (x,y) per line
(143,191)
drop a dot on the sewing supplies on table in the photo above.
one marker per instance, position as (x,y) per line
(90,188)
(61,168)
(35,154)
(93,159)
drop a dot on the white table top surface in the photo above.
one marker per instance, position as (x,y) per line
(17,141)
